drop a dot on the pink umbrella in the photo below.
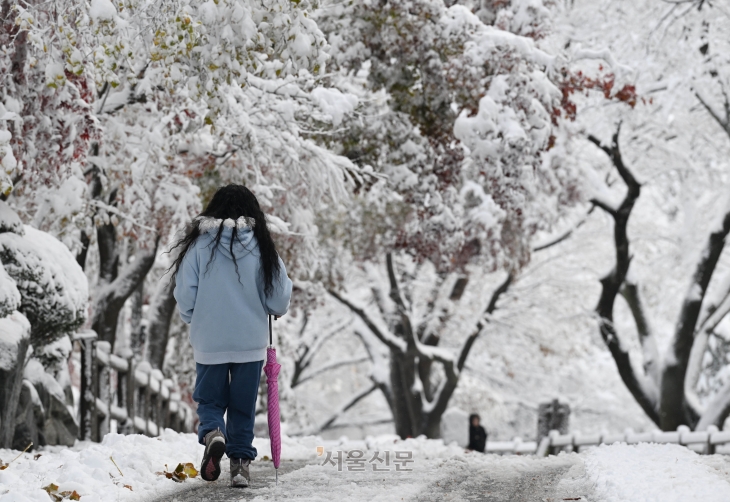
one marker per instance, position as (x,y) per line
(272,372)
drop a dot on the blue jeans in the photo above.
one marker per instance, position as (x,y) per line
(232,388)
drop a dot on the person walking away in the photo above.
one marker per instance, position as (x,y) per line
(228,280)
(477,434)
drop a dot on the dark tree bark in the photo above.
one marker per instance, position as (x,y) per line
(673,409)
(11,382)
(612,283)
(659,390)
(136,326)
(158,326)
(112,294)
(415,403)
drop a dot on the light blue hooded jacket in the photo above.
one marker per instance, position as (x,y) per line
(228,317)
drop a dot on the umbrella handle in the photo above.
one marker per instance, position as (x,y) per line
(271,333)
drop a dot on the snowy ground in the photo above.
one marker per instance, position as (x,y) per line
(643,473)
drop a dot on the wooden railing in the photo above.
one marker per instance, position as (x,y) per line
(710,441)
(707,442)
(138,398)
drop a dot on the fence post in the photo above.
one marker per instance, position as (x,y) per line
(103,350)
(146,406)
(87,398)
(711,429)
(552,416)
(130,385)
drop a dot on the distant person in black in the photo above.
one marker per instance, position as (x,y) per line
(477,434)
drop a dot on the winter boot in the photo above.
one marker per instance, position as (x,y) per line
(215,447)
(240,476)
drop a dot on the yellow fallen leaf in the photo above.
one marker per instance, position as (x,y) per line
(51,488)
(190,470)
(181,472)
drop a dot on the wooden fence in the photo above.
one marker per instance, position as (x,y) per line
(707,442)
(138,398)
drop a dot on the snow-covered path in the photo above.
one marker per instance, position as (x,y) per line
(383,468)
(262,475)
(301,480)
(484,479)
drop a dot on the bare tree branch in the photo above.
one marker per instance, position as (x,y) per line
(395,292)
(673,379)
(366,423)
(717,411)
(329,367)
(111,297)
(392,342)
(694,365)
(158,328)
(491,306)
(349,404)
(611,284)
(724,123)
(603,205)
(565,235)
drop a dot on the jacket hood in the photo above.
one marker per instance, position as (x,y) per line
(244,230)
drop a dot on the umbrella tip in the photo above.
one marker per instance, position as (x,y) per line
(277,476)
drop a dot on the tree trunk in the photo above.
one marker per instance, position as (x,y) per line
(405,418)
(673,407)
(158,328)
(11,382)
(111,296)
(136,328)
(612,283)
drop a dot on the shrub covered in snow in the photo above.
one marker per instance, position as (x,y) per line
(9,294)
(53,287)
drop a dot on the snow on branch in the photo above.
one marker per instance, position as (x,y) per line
(603,54)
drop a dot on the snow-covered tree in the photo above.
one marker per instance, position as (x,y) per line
(178,97)
(668,209)
(462,120)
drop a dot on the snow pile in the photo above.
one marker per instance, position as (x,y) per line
(455,426)
(334,103)
(656,473)
(88,468)
(102,10)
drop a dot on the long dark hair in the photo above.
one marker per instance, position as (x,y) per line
(233,201)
